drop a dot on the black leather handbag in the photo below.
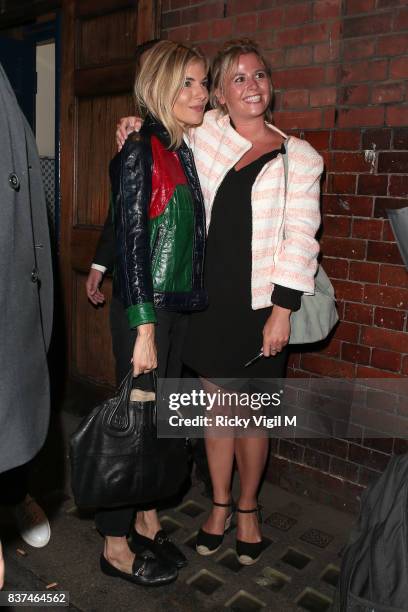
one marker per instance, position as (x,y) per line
(117,459)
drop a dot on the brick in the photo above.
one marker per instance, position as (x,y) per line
(298,119)
(296,98)
(200,31)
(360,206)
(401,138)
(381,204)
(171,20)
(335,268)
(348,248)
(393,161)
(336,226)
(372,184)
(398,186)
(396,115)
(367,228)
(359,6)
(327,367)
(353,71)
(370,372)
(298,77)
(222,28)
(354,94)
(346,290)
(348,162)
(392,92)
(359,313)
(300,13)
(190,15)
(395,276)
(346,331)
(246,23)
(357,49)
(384,445)
(364,271)
(326,96)
(243,6)
(347,140)
(360,117)
(329,117)
(326,52)
(210,10)
(401,20)
(368,457)
(386,252)
(276,58)
(342,183)
(330,446)
(177,4)
(386,360)
(399,68)
(326,9)
(388,234)
(394,44)
(299,56)
(388,3)
(270,19)
(344,469)
(316,459)
(181,34)
(400,444)
(315,32)
(390,297)
(366,25)
(378,70)
(355,353)
(291,451)
(320,140)
(378,139)
(389,318)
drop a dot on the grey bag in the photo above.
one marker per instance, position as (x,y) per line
(317,315)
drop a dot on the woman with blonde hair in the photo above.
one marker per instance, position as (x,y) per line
(159,225)
(261,255)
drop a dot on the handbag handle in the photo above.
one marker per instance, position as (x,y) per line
(119,419)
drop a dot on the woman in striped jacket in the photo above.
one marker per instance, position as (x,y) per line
(261,256)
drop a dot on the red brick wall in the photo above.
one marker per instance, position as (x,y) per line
(340,70)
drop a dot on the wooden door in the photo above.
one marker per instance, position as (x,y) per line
(99,38)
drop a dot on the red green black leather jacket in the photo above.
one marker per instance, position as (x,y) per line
(159,222)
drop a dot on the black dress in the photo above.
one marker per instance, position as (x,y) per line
(228,333)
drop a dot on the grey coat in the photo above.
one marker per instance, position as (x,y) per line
(26,300)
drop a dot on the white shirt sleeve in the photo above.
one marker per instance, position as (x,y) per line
(98,267)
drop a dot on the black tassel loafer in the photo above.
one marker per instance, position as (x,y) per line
(248,553)
(146,571)
(162,547)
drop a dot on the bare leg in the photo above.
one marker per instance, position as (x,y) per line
(251,455)
(118,553)
(220,457)
(147,523)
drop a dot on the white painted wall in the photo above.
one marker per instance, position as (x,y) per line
(45,100)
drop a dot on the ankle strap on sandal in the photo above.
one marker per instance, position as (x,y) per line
(222,505)
(248,511)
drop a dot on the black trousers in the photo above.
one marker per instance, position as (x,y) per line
(171,330)
(14,485)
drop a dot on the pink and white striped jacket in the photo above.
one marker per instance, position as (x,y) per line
(284,249)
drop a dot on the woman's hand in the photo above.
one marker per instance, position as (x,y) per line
(276,331)
(125,126)
(93,283)
(144,352)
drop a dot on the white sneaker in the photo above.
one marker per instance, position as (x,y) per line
(32,523)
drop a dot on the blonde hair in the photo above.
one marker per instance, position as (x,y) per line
(223,63)
(160,80)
